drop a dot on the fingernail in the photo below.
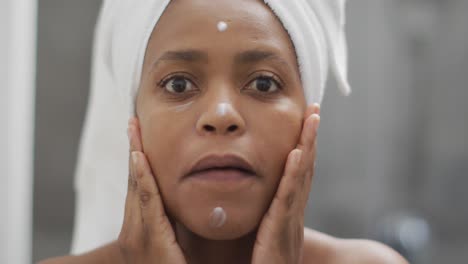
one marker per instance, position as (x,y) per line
(134,157)
(316,122)
(297,157)
(317,108)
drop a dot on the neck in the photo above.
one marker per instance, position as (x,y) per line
(199,250)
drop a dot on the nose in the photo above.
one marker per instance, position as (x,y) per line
(221,119)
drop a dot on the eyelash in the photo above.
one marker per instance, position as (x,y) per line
(162,83)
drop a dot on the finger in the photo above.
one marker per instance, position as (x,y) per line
(309,131)
(132,216)
(307,127)
(151,213)
(155,220)
(309,139)
(143,172)
(312,109)
(285,196)
(135,140)
(308,175)
(307,145)
(135,145)
(131,176)
(295,174)
(317,108)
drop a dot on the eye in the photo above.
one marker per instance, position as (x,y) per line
(265,84)
(177,85)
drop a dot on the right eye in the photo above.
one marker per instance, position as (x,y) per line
(177,85)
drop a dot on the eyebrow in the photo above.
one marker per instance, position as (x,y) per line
(245,57)
(183,55)
(253,56)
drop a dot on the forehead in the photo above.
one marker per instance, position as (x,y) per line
(238,13)
(188,24)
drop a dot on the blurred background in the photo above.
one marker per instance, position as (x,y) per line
(392,157)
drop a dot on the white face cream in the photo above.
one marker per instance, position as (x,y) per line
(181,108)
(222,109)
(217,217)
(222,26)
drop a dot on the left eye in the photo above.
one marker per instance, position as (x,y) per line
(178,85)
(264,84)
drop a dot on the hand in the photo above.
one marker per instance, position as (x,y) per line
(147,235)
(280,236)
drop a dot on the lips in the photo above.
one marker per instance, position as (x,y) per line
(221,162)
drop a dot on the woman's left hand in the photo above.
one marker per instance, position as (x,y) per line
(280,236)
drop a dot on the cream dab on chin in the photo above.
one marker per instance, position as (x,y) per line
(217,217)
(222,26)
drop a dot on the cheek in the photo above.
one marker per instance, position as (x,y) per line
(163,140)
(276,131)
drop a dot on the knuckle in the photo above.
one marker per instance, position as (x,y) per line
(303,178)
(145,197)
(131,183)
(126,243)
(289,201)
(138,173)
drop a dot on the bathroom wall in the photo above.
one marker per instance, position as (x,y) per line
(17,61)
(65,30)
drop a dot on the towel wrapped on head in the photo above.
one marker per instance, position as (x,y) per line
(316,28)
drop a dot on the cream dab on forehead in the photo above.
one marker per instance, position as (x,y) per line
(222,26)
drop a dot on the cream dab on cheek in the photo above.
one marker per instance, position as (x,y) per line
(222,26)
(217,217)
(181,108)
(283,107)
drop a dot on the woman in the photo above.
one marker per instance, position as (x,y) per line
(223,140)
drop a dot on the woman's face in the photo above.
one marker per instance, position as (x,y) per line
(207,91)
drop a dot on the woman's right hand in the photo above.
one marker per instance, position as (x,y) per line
(147,235)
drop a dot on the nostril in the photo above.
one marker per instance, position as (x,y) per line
(209,128)
(232,128)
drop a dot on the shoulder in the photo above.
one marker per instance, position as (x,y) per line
(323,248)
(367,251)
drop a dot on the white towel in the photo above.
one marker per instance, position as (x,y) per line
(316,28)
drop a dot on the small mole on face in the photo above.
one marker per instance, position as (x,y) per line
(222,26)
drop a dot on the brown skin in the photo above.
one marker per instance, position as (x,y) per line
(147,234)
(262,127)
(167,215)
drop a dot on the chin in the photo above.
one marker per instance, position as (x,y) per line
(227,232)
(239,222)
